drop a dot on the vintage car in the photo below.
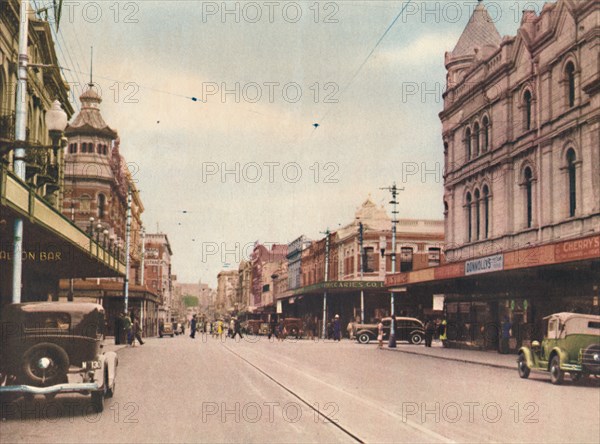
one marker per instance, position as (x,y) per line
(571,344)
(294,327)
(407,329)
(49,348)
(166,329)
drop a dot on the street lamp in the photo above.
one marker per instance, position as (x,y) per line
(104,236)
(56,122)
(91,227)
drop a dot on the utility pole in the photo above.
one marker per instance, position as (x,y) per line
(20,141)
(324,329)
(394,190)
(127,246)
(362,269)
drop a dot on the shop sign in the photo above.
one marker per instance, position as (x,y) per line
(578,249)
(484,265)
(40,256)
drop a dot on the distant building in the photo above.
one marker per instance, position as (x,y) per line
(265,262)
(227,283)
(351,271)
(158,275)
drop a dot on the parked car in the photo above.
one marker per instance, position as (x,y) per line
(166,329)
(407,329)
(294,327)
(49,348)
(571,344)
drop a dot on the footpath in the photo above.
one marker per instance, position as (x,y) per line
(437,351)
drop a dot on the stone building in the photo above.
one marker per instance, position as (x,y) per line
(158,275)
(97,184)
(355,276)
(265,262)
(521,135)
(227,285)
(53,248)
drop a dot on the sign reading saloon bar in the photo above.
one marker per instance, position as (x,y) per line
(484,265)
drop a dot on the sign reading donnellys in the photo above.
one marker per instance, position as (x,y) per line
(484,265)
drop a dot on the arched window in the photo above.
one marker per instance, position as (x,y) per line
(570,78)
(84,147)
(468,143)
(486,212)
(99,149)
(572,181)
(469,218)
(527,105)
(476,140)
(486,134)
(477,215)
(101,206)
(445,209)
(528,176)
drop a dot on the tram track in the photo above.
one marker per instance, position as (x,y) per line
(424,433)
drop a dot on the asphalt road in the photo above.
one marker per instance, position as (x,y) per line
(207,390)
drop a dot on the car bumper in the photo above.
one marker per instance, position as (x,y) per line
(58,388)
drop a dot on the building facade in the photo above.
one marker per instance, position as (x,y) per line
(53,248)
(227,292)
(521,134)
(158,276)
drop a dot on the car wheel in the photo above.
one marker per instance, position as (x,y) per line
(45,364)
(556,374)
(416,339)
(110,391)
(98,401)
(364,338)
(522,366)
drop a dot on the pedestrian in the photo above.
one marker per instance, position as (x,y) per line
(504,340)
(429,332)
(118,329)
(337,330)
(126,323)
(281,330)
(272,327)
(237,329)
(444,332)
(380,334)
(350,329)
(220,329)
(193,327)
(136,332)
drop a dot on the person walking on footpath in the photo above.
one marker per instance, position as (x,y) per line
(136,332)
(380,334)
(429,332)
(337,332)
(193,324)
(126,324)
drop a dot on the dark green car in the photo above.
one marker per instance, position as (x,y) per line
(571,345)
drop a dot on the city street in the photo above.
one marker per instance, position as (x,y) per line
(256,390)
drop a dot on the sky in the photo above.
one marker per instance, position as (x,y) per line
(246,121)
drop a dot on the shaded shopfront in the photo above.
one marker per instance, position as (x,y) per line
(343,299)
(511,291)
(52,249)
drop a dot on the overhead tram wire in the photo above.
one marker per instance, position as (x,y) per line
(359,69)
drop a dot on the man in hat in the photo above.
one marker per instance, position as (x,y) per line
(337,331)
